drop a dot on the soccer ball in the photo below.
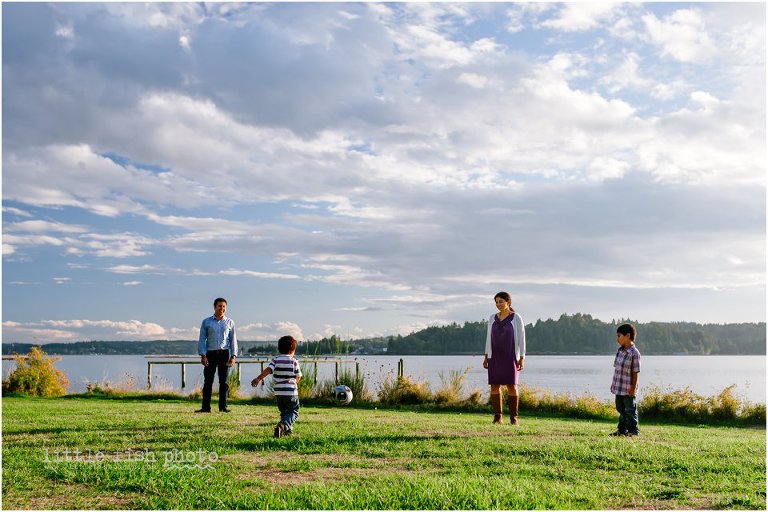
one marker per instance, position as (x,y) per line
(342,395)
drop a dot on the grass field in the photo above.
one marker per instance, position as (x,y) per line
(348,458)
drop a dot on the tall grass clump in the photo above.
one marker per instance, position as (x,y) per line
(685,404)
(124,386)
(347,377)
(583,406)
(404,391)
(451,388)
(233,380)
(356,382)
(308,381)
(36,375)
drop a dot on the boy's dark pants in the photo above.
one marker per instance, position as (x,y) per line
(627,407)
(217,361)
(289,410)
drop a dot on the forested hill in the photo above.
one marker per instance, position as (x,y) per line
(582,334)
(179,347)
(569,334)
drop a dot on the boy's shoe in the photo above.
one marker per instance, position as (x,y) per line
(203,410)
(225,410)
(279,430)
(618,433)
(631,434)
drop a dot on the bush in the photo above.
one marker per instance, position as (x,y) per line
(36,375)
(403,390)
(356,382)
(684,404)
(233,380)
(308,381)
(347,377)
(586,406)
(451,387)
(125,386)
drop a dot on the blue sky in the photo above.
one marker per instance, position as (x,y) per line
(372,169)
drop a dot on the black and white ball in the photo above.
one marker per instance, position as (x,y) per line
(342,395)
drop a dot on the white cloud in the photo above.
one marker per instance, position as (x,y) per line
(132,283)
(682,35)
(269,331)
(259,275)
(65,31)
(132,329)
(144,269)
(473,80)
(581,16)
(41,226)
(16,211)
(627,75)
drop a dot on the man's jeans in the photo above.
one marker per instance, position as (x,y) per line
(627,407)
(217,361)
(289,410)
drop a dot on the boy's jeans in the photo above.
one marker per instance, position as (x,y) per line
(627,407)
(289,410)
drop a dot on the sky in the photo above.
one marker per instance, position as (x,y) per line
(367,169)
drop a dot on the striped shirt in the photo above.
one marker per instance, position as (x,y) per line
(626,363)
(285,371)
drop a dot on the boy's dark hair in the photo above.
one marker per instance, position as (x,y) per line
(219,299)
(627,329)
(287,344)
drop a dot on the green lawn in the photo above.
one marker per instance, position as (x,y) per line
(347,458)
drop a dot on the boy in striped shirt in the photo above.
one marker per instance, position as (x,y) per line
(286,373)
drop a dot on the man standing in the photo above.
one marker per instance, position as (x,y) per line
(217,349)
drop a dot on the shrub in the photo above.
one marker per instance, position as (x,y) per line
(403,390)
(233,380)
(36,375)
(451,387)
(726,405)
(475,398)
(347,377)
(308,381)
(687,405)
(108,388)
(587,405)
(356,382)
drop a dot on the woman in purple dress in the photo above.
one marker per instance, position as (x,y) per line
(504,355)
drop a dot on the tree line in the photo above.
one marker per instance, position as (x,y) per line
(583,334)
(569,334)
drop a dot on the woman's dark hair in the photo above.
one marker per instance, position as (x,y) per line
(506,298)
(627,329)
(220,299)
(504,295)
(287,344)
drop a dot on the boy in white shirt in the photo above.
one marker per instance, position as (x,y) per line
(286,372)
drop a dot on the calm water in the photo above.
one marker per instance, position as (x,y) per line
(706,375)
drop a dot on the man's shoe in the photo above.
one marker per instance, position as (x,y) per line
(279,430)
(225,410)
(203,410)
(617,433)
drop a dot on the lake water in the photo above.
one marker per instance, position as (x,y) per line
(706,375)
